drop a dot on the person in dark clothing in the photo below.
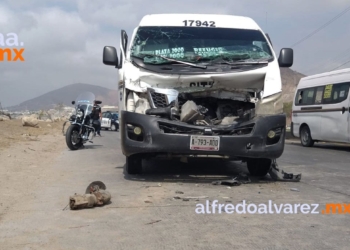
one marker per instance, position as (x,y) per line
(96,115)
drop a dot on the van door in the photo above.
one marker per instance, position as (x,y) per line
(335,110)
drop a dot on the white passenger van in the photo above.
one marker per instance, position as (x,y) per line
(321,108)
(200,86)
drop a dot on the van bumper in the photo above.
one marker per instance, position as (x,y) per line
(154,141)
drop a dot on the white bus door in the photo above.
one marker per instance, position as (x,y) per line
(335,115)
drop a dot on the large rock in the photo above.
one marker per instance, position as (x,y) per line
(4,118)
(5,114)
(30,121)
(34,116)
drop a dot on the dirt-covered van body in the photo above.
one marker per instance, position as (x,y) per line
(200,86)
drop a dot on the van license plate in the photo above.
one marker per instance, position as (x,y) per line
(208,143)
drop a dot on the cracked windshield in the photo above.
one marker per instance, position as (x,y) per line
(157,44)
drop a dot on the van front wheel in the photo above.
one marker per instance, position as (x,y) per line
(259,167)
(133,164)
(305,137)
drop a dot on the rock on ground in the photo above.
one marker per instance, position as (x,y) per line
(30,121)
(4,118)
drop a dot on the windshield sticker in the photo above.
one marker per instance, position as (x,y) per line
(328,91)
(171,52)
(208,51)
(342,93)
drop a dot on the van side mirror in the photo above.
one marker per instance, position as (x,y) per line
(285,60)
(110,56)
(73,102)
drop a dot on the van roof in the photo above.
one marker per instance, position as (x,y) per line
(330,73)
(221,21)
(335,76)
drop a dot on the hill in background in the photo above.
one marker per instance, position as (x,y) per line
(66,95)
(290,80)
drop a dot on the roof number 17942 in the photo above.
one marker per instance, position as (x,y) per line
(199,23)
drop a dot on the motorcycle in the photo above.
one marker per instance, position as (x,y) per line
(81,129)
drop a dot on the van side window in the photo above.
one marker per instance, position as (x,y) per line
(319,92)
(305,96)
(336,93)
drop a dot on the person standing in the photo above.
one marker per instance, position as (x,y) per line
(96,115)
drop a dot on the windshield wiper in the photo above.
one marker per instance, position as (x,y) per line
(177,61)
(241,62)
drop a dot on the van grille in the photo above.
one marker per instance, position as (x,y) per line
(177,129)
(159,100)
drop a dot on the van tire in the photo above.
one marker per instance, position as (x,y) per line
(133,164)
(305,137)
(259,167)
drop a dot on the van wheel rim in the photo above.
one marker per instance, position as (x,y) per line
(113,127)
(305,136)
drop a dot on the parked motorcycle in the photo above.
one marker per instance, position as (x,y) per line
(81,129)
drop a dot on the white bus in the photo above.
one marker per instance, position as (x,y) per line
(321,108)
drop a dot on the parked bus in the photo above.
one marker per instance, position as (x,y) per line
(321,108)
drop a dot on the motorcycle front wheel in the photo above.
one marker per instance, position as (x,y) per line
(73,139)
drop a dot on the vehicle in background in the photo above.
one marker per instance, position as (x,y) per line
(110,121)
(196,85)
(82,127)
(321,108)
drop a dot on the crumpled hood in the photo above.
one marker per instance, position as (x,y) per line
(139,79)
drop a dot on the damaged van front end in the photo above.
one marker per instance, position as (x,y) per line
(199,102)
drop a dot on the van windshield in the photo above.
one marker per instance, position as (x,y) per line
(193,44)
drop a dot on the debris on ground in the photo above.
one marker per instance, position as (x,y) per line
(227,182)
(197,197)
(152,222)
(243,178)
(280,175)
(148,201)
(294,189)
(95,195)
(179,192)
(159,185)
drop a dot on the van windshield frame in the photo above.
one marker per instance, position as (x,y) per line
(197,44)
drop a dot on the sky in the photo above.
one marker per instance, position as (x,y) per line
(63,40)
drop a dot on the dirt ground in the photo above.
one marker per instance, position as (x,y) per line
(12,132)
(38,176)
(25,156)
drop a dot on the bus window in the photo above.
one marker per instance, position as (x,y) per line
(336,93)
(340,92)
(318,98)
(306,96)
(300,97)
